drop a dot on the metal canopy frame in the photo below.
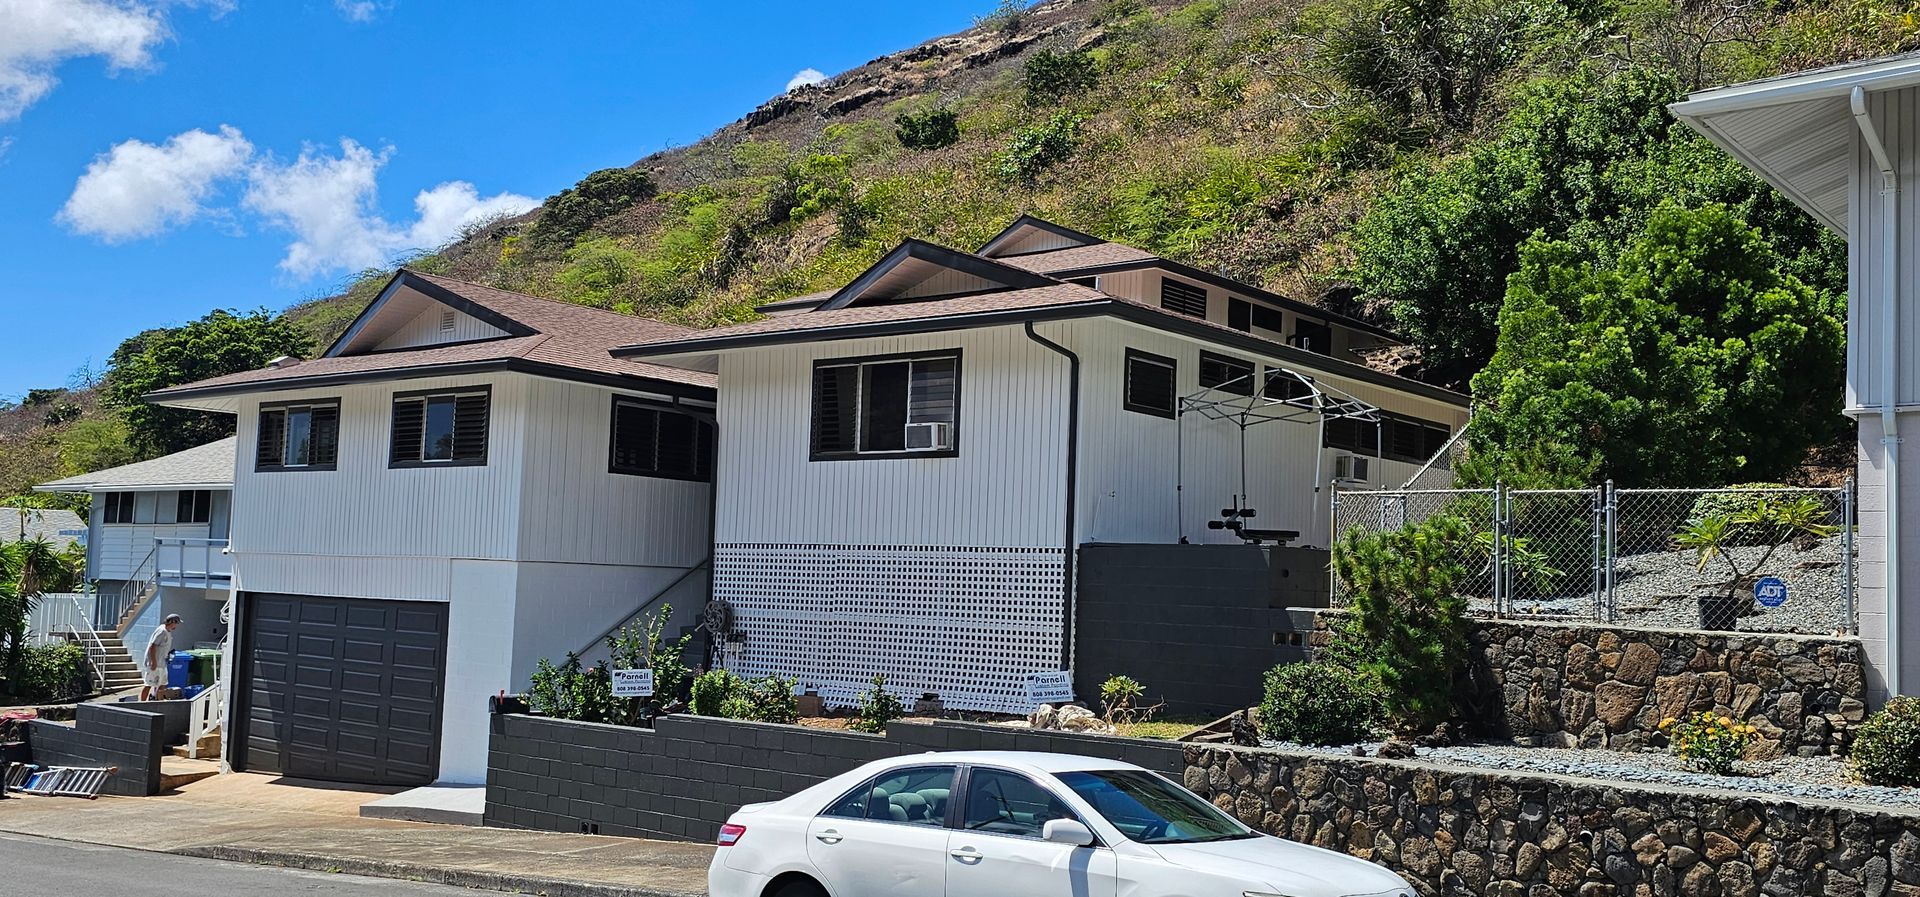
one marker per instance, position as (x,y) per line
(1220,403)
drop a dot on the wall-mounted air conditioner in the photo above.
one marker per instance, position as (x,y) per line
(930,437)
(1350,469)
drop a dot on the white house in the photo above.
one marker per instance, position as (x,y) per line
(156,543)
(466,482)
(1844,144)
(909,464)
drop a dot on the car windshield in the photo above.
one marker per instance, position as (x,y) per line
(1151,810)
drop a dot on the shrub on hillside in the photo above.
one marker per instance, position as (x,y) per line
(1886,748)
(1051,76)
(568,214)
(1320,703)
(1039,147)
(1407,623)
(931,129)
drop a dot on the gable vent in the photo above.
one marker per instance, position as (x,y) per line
(446,321)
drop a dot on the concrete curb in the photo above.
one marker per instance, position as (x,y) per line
(459,878)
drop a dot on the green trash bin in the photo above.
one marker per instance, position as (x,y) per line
(206,666)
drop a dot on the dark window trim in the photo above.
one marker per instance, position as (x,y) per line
(486,453)
(333,402)
(613,416)
(959,367)
(121,500)
(1179,286)
(1173,370)
(1247,384)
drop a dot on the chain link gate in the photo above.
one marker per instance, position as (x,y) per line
(1622,556)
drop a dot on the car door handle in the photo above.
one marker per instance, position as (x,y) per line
(829,837)
(966,855)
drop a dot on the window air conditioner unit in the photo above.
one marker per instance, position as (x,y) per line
(930,437)
(1350,469)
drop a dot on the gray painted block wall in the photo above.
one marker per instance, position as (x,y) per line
(105,735)
(1195,624)
(683,778)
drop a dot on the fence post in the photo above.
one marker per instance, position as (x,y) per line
(1613,548)
(1496,563)
(1333,536)
(1846,552)
(1598,525)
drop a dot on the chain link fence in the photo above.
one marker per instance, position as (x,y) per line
(1741,559)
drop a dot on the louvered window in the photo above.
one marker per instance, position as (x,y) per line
(1182,297)
(1226,374)
(897,405)
(1413,440)
(1286,386)
(1149,387)
(654,441)
(440,428)
(298,436)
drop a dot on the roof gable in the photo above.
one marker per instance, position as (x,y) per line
(208,466)
(918,270)
(1028,234)
(409,312)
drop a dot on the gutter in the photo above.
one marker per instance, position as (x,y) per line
(1073,481)
(1889,371)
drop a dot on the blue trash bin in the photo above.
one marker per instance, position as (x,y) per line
(179,669)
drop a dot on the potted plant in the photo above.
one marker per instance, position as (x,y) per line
(1763,525)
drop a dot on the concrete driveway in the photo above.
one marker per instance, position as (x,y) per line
(317,826)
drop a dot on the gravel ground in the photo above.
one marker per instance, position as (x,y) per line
(1824,778)
(1657,589)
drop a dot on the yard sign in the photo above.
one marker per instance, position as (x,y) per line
(1770,591)
(1050,688)
(633,683)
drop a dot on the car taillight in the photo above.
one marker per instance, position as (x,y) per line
(730,834)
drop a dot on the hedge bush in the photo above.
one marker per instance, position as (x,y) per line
(1320,703)
(1886,748)
(48,673)
(711,690)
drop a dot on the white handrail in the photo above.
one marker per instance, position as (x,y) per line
(203,716)
(90,642)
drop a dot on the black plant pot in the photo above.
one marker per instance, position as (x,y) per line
(1722,612)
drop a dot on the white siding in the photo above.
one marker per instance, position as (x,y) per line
(1038,240)
(947,281)
(1003,489)
(573,510)
(119,548)
(1144,286)
(1897,114)
(426,329)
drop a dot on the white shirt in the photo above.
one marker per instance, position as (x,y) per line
(161,644)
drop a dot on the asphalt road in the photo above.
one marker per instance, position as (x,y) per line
(39,866)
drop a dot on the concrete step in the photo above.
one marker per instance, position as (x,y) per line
(176,772)
(209,747)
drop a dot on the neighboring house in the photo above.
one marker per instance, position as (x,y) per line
(1844,144)
(159,528)
(465,483)
(908,465)
(56,525)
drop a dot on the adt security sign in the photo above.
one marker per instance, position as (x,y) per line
(1050,688)
(633,683)
(1770,591)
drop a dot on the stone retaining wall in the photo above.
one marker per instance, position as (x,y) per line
(1469,832)
(1587,685)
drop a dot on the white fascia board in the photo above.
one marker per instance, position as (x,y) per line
(1836,83)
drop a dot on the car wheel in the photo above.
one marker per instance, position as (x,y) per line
(799,887)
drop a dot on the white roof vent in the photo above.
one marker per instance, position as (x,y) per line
(284,361)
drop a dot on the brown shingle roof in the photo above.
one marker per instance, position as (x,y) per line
(1005,300)
(566,336)
(1074,257)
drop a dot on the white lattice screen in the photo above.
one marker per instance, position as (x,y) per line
(967,624)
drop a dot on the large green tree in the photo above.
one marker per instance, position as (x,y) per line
(223,342)
(1695,359)
(1581,158)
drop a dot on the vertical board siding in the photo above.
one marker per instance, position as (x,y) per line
(424,330)
(120,548)
(572,509)
(363,509)
(1003,489)
(1897,115)
(947,281)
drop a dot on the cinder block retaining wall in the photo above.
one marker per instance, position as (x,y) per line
(683,778)
(1465,832)
(105,735)
(1584,685)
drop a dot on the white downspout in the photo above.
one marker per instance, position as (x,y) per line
(1889,371)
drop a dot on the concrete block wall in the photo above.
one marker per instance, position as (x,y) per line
(683,778)
(105,735)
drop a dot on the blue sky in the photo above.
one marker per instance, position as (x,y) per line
(161,158)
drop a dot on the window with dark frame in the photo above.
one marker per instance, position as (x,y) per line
(905,406)
(1285,386)
(1149,386)
(1268,318)
(298,436)
(1311,336)
(1239,314)
(194,506)
(1226,373)
(440,428)
(1395,437)
(117,508)
(1183,297)
(655,441)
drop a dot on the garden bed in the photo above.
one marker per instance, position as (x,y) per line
(1820,778)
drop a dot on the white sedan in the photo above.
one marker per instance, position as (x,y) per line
(993,824)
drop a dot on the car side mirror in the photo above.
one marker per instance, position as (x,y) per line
(1066,831)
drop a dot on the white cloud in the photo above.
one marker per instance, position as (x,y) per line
(37,36)
(139,189)
(328,204)
(806,78)
(357,10)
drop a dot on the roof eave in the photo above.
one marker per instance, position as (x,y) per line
(1832,83)
(1234,286)
(179,396)
(214,485)
(701,346)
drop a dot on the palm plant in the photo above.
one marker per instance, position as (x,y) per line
(1767,523)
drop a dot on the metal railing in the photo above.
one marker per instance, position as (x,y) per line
(192,563)
(89,640)
(1632,556)
(57,613)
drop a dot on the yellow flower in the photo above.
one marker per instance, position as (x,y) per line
(1668,722)
(1725,721)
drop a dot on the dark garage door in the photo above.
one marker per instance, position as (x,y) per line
(342,689)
